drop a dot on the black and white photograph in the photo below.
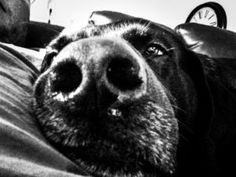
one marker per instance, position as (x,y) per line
(117,88)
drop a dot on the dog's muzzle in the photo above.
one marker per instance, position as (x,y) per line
(109,66)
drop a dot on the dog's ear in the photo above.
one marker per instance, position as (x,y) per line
(48,58)
(54,47)
(106,17)
(193,66)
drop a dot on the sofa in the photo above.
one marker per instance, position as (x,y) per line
(23,149)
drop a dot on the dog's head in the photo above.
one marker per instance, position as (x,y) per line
(108,97)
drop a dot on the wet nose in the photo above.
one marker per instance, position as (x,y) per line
(123,73)
(66,77)
(114,65)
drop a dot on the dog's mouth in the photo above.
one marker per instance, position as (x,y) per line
(130,139)
(102,155)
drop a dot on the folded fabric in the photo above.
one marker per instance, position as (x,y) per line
(23,150)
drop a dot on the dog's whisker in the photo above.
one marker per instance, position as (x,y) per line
(170,49)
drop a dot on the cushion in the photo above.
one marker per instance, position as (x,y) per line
(40,34)
(208,40)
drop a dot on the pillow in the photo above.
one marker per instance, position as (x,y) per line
(106,17)
(208,40)
(23,150)
(40,34)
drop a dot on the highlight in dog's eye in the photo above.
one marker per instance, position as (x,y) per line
(155,49)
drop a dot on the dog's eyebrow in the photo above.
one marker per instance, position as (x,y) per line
(136,33)
(136,37)
(126,27)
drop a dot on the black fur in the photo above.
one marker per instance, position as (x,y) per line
(157,110)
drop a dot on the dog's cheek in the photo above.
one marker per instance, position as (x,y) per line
(167,125)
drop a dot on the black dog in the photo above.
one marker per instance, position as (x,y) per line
(128,99)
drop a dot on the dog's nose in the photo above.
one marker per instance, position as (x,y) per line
(66,77)
(110,66)
(123,73)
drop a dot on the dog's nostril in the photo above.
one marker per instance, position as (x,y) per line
(124,74)
(66,77)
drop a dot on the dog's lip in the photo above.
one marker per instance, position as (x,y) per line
(101,157)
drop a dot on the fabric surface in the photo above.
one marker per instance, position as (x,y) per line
(40,34)
(23,150)
(207,40)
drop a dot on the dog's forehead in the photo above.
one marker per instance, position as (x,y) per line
(127,29)
(118,29)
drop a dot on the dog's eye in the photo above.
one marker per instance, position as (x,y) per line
(155,49)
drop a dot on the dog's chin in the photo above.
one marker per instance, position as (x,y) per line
(113,156)
(104,159)
(137,139)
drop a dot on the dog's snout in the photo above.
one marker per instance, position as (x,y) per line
(123,73)
(66,77)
